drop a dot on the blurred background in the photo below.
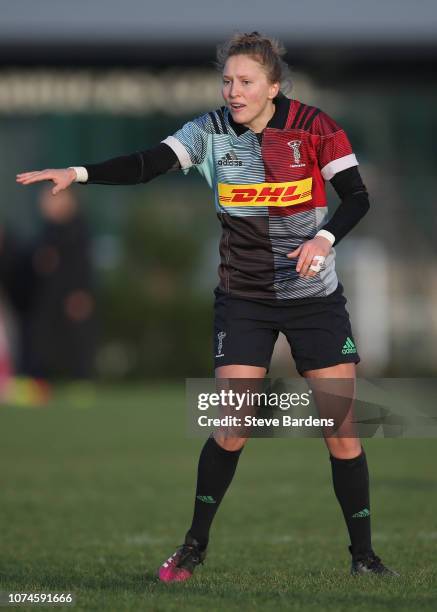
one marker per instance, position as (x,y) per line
(115,283)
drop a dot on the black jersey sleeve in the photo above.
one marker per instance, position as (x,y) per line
(354,203)
(139,167)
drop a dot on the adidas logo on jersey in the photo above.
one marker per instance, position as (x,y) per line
(230,159)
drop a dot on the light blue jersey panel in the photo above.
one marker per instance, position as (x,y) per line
(206,168)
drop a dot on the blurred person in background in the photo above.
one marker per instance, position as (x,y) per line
(5,358)
(60,326)
(49,286)
(7,276)
(267,157)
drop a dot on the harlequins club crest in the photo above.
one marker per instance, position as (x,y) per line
(295,147)
(220,337)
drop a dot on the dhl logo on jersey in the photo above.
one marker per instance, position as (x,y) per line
(265,194)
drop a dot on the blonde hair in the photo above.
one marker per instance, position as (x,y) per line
(267,51)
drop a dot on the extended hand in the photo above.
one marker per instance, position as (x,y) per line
(307,251)
(61,178)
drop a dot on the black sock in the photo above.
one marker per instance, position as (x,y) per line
(214,475)
(351,486)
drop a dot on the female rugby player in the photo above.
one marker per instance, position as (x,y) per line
(267,158)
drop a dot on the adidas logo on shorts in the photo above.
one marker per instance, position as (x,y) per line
(348,347)
(230,159)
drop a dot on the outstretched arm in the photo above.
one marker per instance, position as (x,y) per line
(139,167)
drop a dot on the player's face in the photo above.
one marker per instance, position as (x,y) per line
(247,92)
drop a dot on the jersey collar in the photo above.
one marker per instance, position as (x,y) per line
(278,121)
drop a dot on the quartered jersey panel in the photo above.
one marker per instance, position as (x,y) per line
(269,193)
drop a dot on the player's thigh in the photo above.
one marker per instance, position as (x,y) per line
(241,379)
(240,371)
(245,333)
(346,371)
(334,393)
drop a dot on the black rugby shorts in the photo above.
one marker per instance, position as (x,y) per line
(318,330)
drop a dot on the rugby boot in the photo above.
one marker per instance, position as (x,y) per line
(369,564)
(181,565)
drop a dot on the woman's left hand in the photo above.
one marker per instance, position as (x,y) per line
(317,248)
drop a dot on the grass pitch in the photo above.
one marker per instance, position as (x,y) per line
(97,490)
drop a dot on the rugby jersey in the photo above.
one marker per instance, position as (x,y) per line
(269,193)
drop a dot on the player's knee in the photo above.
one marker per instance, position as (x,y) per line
(230,444)
(344,448)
